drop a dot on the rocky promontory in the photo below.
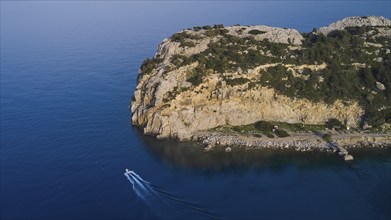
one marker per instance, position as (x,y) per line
(210,77)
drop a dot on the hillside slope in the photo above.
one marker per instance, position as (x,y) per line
(212,76)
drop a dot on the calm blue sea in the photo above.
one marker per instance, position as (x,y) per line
(68,70)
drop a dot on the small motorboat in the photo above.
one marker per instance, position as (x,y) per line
(127,171)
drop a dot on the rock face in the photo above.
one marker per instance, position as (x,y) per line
(357,21)
(273,34)
(167,104)
(380,86)
(202,109)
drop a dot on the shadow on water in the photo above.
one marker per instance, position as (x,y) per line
(190,155)
(368,153)
(364,181)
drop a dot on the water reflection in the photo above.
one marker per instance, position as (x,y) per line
(192,156)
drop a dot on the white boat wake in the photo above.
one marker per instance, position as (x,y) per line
(162,203)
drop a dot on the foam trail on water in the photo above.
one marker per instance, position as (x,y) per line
(130,179)
(187,204)
(145,195)
(163,203)
(138,177)
(170,197)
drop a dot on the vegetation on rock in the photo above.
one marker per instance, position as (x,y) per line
(148,66)
(340,80)
(256,32)
(335,124)
(343,71)
(327,138)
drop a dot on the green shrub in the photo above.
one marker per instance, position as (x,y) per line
(148,66)
(218,26)
(187,44)
(195,80)
(170,95)
(197,28)
(264,126)
(241,30)
(236,81)
(334,123)
(223,31)
(256,32)
(180,36)
(327,138)
(281,133)
(212,33)
(184,37)
(195,77)
(269,135)
(177,59)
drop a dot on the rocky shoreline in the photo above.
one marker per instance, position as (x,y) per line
(298,141)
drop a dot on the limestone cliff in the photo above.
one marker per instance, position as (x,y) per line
(357,21)
(206,77)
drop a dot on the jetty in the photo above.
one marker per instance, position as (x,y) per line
(342,152)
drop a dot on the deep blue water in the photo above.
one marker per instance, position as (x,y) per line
(68,70)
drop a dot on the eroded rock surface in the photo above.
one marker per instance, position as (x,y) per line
(357,21)
(169,103)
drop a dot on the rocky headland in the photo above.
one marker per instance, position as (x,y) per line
(261,86)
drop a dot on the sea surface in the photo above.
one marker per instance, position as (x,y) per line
(68,70)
